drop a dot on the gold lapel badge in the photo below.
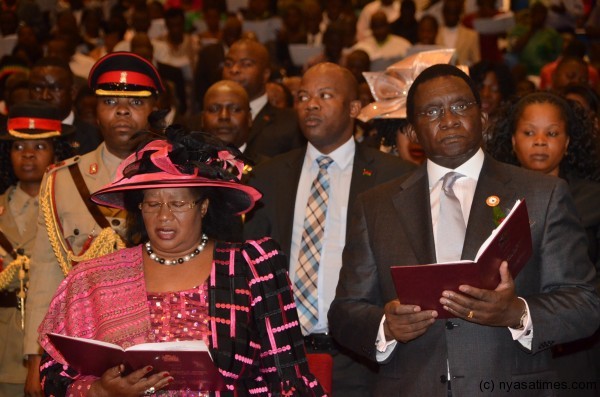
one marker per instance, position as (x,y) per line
(492,201)
(93,168)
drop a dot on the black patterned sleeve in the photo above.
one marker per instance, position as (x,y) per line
(282,354)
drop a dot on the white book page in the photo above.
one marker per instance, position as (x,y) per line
(184,345)
(487,242)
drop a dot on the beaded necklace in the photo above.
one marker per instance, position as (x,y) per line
(171,262)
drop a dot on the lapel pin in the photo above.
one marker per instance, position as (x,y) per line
(93,168)
(492,201)
(367,172)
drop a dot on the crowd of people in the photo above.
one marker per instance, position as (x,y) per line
(181,170)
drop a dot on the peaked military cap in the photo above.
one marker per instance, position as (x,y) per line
(124,74)
(35,120)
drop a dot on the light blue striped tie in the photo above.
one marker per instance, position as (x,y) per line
(305,287)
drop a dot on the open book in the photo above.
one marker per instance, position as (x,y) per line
(188,362)
(423,284)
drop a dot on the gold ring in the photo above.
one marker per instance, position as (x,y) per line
(470,315)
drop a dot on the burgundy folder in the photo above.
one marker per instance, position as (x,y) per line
(423,284)
(188,362)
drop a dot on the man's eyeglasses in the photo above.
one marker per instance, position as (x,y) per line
(151,207)
(457,108)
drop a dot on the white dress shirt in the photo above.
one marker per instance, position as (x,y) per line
(334,238)
(464,189)
(257,104)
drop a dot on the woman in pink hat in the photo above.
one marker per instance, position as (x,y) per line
(178,281)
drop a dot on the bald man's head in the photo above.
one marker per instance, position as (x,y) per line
(327,104)
(226,112)
(247,63)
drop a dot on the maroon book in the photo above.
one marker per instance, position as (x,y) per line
(188,362)
(423,284)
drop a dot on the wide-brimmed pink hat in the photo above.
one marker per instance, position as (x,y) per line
(191,161)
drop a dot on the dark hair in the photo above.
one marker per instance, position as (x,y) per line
(432,72)
(54,62)
(506,82)
(586,92)
(582,158)
(62,151)
(174,13)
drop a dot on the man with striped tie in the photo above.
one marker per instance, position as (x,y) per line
(307,194)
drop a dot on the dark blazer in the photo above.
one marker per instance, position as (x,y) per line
(391,225)
(278,179)
(274,131)
(86,137)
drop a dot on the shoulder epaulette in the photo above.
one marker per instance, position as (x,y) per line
(62,164)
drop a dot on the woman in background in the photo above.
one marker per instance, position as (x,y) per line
(32,141)
(547,133)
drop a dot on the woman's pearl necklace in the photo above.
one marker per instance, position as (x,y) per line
(171,262)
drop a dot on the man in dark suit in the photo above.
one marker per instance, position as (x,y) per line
(226,115)
(495,336)
(274,131)
(327,104)
(51,80)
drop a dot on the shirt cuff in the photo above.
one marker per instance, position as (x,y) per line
(524,336)
(384,347)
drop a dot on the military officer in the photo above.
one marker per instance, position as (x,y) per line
(34,139)
(70,227)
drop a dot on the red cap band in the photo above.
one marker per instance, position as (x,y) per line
(33,123)
(126,77)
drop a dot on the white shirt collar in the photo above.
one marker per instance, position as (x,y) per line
(470,168)
(243,147)
(257,104)
(343,156)
(69,119)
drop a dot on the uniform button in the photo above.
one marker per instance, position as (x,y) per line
(115,222)
(443,379)
(76,232)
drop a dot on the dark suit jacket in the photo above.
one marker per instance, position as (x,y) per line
(86,137)
(275,131)
(391,225)
(278,179)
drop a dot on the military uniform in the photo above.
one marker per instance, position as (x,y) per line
(12,368)
(77,224)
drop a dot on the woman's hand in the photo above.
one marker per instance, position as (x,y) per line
(33,388)
(113,384)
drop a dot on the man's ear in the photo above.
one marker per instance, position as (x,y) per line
(409,130)
(355,107)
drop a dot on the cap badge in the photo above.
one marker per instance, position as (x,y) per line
(31,124)
(123,78)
